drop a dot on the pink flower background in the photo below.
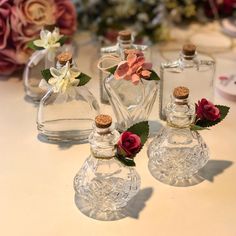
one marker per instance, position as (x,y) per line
(21,21)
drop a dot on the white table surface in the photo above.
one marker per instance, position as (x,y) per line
(36,179)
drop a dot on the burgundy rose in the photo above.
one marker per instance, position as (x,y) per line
(129,144)
(5,11)
(207,111)
(66,16)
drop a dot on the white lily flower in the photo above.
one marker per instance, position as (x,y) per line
(64,78)
(48,40)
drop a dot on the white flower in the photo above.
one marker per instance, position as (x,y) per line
(64,78)
(48,40)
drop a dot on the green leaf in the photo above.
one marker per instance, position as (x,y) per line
(83,79)
(197,127)
(46,74)
(153,76)
(223,113)
(34,47)
(141,129)
(126,161)
(62,40)
(112,69)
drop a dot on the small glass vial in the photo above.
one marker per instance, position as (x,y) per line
(68,115)
(125,40)
(103,184)
(177,153)
(188,70)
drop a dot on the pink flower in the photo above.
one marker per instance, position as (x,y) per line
(134,68)
(5,10)
(207,111)
(66,16)
(129,144)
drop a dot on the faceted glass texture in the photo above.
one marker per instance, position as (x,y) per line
(130,103)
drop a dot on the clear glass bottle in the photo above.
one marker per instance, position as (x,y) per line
(188,70)
(130,102)
(125,40)
(103,184)
(68,115)
(177,153)
(32,73)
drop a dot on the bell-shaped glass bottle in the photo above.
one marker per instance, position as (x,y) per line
(125,40)
(67,111)
(190,70)
(131,100)
(103,184)
(49,46)
(177,153)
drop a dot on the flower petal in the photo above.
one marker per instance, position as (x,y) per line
(135,79)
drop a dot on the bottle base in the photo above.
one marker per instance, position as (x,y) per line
(89,210)
(174,180)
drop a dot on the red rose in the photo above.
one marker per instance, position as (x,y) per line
(129,143)
(207,111)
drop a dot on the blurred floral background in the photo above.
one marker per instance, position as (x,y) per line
(21,21)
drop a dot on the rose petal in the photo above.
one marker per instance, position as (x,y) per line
(145,74)
(135,79)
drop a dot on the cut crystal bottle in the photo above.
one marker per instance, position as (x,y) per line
(177,153)
(190,70)
(125,40)
(103,184)
(68,114)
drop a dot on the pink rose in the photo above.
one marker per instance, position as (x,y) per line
(28,17)
(134,68)
(129,144)
(5,10)
(207,111)
(66,17)
(8,63)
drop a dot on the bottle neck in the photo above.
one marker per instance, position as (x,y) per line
(187,60)
(180,113)
(103,142)
(125,44)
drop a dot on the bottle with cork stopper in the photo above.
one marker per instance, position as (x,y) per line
(103,185)
(125,40)
(66,113)
(177,153)
(39,60)
(191,69)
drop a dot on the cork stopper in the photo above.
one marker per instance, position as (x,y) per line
(125,34)
(103,121)
(181,92)
(189,49)
(64,57)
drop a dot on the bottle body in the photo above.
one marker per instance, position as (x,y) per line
(196,74)
(67,116)
(103,184)
(130,103)
(32,73)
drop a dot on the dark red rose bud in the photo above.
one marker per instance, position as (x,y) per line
(207,111)
(129,144)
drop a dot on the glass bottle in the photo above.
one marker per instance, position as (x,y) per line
(103,184)
(125,40)
(67,115)
(32,73)
(188,70)
(177,153)
(130,102)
